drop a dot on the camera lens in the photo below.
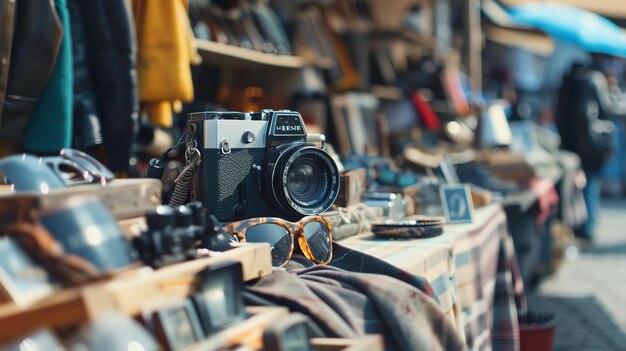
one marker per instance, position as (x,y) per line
(303,180)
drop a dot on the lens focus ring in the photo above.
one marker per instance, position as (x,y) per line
(303,180)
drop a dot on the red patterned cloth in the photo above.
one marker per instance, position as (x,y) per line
(547,197)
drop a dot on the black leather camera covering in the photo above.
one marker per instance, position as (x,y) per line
(230,186)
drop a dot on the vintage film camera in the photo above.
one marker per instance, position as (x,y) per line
(259,164)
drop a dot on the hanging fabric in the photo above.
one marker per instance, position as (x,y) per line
(50,128)
(111,49)
(164,57)
(29,52)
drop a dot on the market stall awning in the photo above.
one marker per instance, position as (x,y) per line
(608,8)
(589,31)
(500,28)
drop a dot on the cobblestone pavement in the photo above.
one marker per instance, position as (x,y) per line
(589,292)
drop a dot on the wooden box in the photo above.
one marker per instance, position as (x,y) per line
(126,294)
(124,198)
(352,184)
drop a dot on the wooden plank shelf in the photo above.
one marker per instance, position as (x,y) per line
(124,198)
(250,334)
(387,92)
(125,294)
(372,342)
(230,55)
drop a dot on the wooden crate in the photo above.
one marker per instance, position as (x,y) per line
(126,294)
(250,333)
(124,198)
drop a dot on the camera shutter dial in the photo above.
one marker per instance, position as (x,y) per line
(248,137)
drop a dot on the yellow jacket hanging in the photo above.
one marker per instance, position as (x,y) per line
(165,51)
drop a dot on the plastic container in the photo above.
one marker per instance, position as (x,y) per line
(537,331)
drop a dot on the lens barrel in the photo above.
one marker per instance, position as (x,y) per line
(301,180)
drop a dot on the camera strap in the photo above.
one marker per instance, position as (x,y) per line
(184,179)
(157,165)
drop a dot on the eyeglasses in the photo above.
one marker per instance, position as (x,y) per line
(313,232)
(76,167)
(96,169)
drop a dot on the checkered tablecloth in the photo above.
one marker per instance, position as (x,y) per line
(472,270)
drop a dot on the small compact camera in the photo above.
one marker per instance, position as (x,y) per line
(260,164)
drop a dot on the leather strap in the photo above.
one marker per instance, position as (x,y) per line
(45,250)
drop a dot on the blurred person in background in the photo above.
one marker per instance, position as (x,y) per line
(588,98)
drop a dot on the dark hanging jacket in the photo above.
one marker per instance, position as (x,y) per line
(30,53)
(111,50)
(87,132)
(7,16)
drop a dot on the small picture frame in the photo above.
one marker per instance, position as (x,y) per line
(219,296)
(177,325)
(21,280)
(457,203)
(355,122)
(292,333)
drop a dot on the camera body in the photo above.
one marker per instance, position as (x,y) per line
(259,164)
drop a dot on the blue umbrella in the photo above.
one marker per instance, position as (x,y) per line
(591,32)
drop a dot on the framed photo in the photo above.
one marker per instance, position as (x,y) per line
(177,325)
(219,296)
(356,123)
(21,280)
(457,203)
(291,333)
(339,111)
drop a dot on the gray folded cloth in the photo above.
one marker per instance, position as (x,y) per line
(349,304)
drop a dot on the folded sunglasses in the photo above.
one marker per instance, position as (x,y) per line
(313,233)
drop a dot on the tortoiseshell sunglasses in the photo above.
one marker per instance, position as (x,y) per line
(313,232)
